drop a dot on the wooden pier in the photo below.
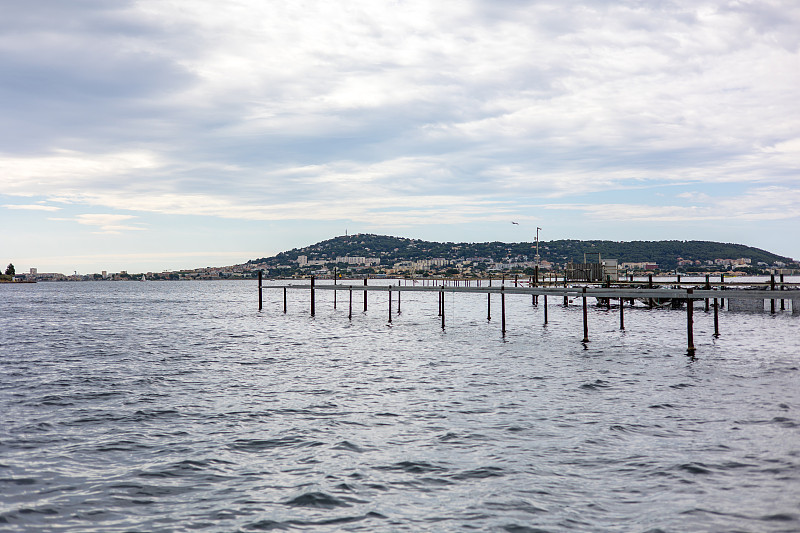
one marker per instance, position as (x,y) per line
(683,293)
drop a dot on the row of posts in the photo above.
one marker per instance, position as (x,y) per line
(689,308)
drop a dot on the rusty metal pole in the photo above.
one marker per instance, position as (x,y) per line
(690,322)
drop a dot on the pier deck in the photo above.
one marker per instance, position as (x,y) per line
(676,292)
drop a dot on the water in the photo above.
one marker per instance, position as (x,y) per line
(168,406)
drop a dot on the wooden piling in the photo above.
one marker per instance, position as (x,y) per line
(398,302)
(783,305)
(708,288)
(489,303)
(621,314)
(585,319)
(350,312)
(390,303)
(650,286)
(771,300)
(260,296)
(441,293)
(365,296)
(545,309)
(503,309)
(716,318)
(312,295)
(284,300)
(690,322)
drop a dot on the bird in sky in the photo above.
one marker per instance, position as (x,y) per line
(517,223)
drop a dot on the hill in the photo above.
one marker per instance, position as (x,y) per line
(394,249)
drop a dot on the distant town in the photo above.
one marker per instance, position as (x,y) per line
(381,256)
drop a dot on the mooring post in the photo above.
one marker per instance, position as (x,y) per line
(260,298)
(390,304)
(545,309)
(585,319)
(284,300)
(515,279)
(783,306)
(398,302)
(441,297)
(503,309)
(489,303)
(716,318)
(690,321)
(771,288)
(566,298)
(621,314)
(365,295)
(708,288)
(312,295)
(650,286)
(440,304)
(630,279)
(334,290)
(350,312)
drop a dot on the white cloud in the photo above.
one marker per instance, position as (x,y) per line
(32,207)
(399,113)
(108,223)
(759,204)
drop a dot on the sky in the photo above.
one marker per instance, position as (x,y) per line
(157,135)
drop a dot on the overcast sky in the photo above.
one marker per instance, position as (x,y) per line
(152,135)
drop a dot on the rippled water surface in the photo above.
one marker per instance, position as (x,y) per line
(166,406)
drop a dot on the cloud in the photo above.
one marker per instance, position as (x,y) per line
(758,204)
(400,113)
(108,223)
(32,207)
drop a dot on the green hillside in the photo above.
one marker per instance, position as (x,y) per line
(394,249)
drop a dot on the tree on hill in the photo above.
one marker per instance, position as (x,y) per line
(10,270)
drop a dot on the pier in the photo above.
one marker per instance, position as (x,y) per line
(674,294)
